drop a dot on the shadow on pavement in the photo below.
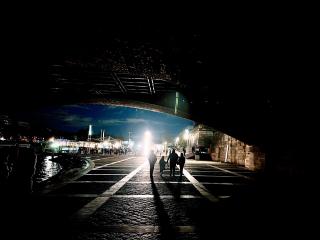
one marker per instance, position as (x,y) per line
(166,230)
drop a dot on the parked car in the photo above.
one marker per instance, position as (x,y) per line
(202,153)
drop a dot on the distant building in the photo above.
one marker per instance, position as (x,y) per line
(201,136)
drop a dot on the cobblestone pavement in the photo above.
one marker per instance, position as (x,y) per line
(118,200)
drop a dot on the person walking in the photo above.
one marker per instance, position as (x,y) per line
(162,164)
(173,157)
(152,161)
(181,161)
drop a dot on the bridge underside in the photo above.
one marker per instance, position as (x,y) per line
(227,78)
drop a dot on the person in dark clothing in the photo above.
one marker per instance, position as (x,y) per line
(24,161)
(4,166)
(173,157)
(152,161)
(181,161)
(162,164)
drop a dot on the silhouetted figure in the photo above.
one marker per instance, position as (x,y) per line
(162,164)
(152,161)
(173,157)
(184,151)
(4,166)
(181,161)
(24,168)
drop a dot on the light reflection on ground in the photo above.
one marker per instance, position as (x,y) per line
(46,169)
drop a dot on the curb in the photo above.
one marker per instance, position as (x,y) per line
(65,177)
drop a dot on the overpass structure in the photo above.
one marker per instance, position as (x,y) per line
(225,76)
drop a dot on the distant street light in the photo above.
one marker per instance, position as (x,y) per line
(90,132)
(117,144)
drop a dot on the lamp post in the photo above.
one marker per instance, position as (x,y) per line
(90,132)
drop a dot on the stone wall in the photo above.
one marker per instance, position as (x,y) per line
(236,152)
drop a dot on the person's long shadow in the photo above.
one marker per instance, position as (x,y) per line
(175,189)
(166,230)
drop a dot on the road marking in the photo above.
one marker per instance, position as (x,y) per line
(116,167)
(202,189)
(160,182)
(234,173)
(216,176)
(152,196)
(145,182)
(201,171)
(102,181)
(97,159)
(91,195)
(125,228)
(105,174)
(198,168)
(108,164)
(92,206)
(171,182)
(76,195)
(238,168)
(112,169)
(222,183)
(222,197)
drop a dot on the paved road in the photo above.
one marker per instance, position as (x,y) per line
(117,200)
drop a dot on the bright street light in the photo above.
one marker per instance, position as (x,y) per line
(186,134)
(147,142)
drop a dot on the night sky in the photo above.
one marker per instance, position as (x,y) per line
(116,121)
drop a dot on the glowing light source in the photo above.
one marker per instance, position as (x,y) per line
(55,144)
(186,134)
(117,144)
(90,130)
(177,140)
(147,143)
(106,144)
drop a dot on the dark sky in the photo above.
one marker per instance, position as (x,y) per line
(117,121)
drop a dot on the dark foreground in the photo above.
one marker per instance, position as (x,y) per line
(117,200)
